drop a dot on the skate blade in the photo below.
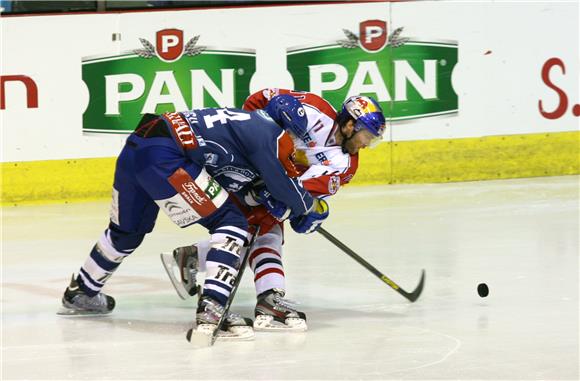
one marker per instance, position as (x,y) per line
(172,269)
(64,311)
(265,323)
(203,334)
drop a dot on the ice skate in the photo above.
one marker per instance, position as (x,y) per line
(209,312)
(181,267)
(76,303)
(274,313)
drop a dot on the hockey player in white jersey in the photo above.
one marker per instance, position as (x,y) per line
(327,158)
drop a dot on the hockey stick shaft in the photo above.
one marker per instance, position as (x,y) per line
(409,296)
(236,285)
(232,293)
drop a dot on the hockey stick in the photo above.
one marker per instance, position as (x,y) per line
(413,296)
(208,340)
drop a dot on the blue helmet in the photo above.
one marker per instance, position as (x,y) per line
(366,112)
(288,112)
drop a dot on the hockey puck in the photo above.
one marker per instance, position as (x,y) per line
(482,290)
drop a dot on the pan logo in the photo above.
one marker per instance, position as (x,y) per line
(373,35)
(175,74)
(410,78)
(169,46)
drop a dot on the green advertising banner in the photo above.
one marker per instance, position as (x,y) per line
(411,80)
(124,87)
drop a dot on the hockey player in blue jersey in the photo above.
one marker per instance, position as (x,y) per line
(326,158)
(187,164)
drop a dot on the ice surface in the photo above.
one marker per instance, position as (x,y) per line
(518,236)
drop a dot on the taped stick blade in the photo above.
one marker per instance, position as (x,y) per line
(199,339)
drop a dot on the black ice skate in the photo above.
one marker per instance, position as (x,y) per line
(76,302)
(235,326)
(274,313)
(181,267)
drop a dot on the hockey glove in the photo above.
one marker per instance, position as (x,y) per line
(260,216)
(307,223)
(276,208)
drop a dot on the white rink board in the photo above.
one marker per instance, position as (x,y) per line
(498,92)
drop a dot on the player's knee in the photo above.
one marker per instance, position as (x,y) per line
(115,244)
(123,241)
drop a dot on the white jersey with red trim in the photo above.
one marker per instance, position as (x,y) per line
(321,162)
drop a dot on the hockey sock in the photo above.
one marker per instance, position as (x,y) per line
(266,261)
(223,262)
(103,261)
(203,248)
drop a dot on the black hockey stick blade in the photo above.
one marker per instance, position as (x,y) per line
(412,297)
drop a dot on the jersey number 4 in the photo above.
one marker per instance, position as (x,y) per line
(223,115)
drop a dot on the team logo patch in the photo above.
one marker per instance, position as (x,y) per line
(239,174)
(333,184)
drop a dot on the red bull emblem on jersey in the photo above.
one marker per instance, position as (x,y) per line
(333,184)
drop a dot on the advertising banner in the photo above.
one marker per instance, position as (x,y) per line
(438,69)
(122,88)
(410,79)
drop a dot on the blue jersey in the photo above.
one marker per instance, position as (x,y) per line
(238,148)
